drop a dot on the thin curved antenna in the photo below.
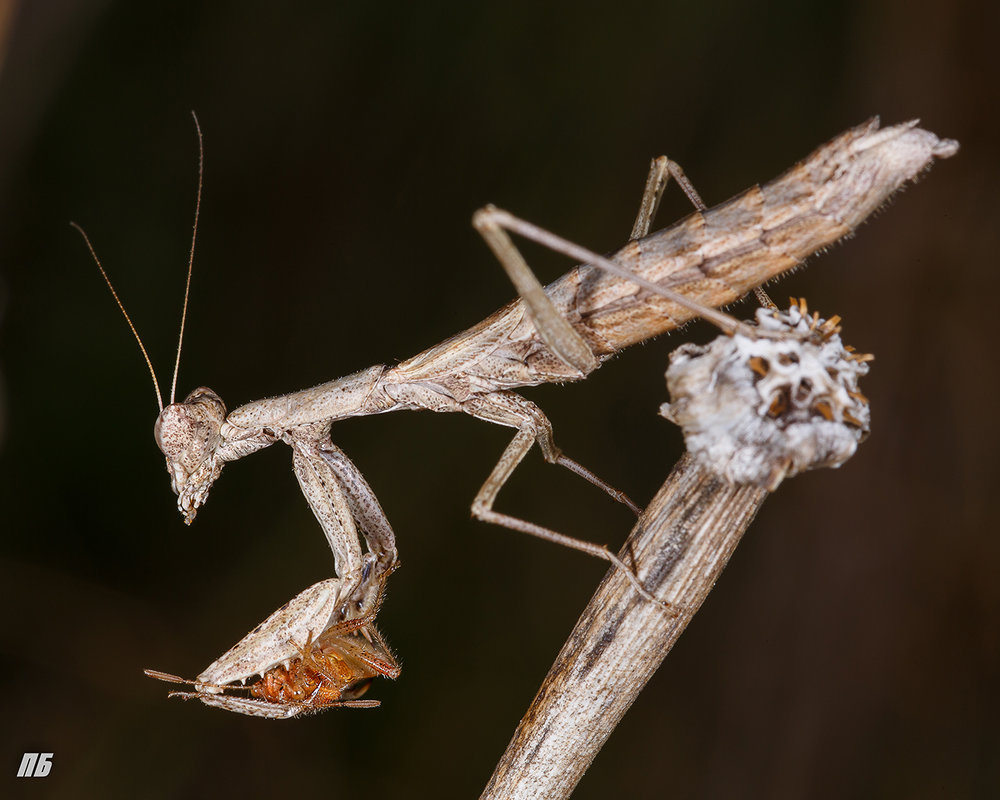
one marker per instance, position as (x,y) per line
(194,236)
(128,319)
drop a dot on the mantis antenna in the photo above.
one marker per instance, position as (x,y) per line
(194,236)
(128,319)
(187,285)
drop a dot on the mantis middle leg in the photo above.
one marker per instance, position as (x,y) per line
(508,408)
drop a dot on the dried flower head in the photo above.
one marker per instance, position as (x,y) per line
(758,410)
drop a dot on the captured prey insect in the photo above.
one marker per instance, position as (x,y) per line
(560,333)
(307,656)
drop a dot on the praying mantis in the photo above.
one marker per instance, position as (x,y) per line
(554,334)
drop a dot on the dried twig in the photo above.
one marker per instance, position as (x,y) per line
(753,411)
(681,542)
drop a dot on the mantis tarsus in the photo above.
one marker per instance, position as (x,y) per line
(559,333)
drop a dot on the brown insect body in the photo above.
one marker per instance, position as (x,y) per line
(332,671)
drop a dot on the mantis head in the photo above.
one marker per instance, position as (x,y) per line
(188,434)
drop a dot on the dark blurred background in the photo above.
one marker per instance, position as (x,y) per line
(851,647)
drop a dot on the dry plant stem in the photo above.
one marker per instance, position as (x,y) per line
(680,544)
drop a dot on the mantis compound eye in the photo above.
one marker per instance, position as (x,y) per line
(182,427)
(173,430)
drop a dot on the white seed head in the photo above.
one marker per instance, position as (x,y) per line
(758,410)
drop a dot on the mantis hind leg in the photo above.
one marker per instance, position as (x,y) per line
(661,170)
(556,331)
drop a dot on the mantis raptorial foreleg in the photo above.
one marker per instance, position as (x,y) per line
(329,505)
(363,504)
(339,497)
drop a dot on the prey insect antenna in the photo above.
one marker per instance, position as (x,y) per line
(194,236)
(128,319)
